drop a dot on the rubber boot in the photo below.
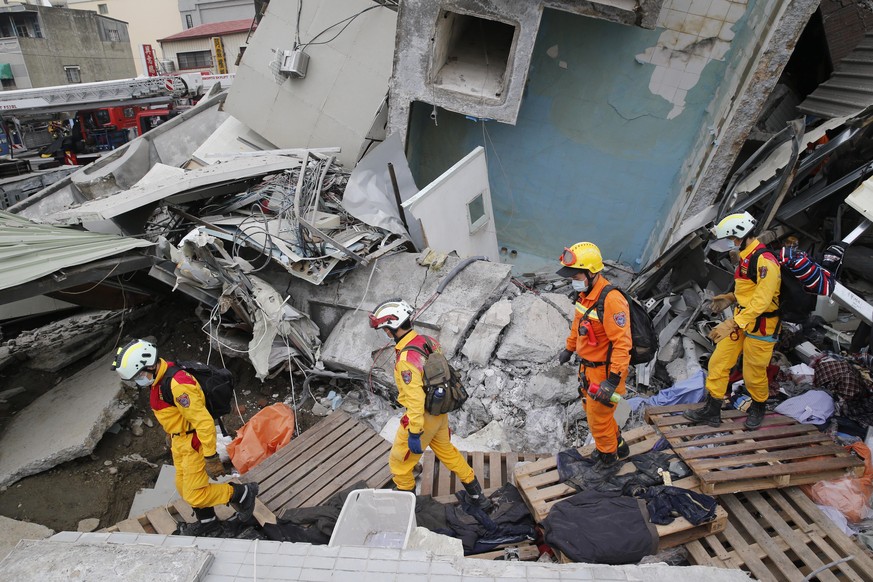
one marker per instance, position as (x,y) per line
(243,500)
(709,413)
(755,415)
(474,492)
(623,449)
(605,462)
(207,524)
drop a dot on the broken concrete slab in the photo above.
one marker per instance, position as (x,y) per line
(161,494)
(335,103)
(554,385)
(481,343)
(351,341)
(63,424)
(56,561)
(68,352)
(536,334)
(13,531)
(89,524)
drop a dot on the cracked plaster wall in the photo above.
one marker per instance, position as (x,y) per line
(765,39)
(614,121)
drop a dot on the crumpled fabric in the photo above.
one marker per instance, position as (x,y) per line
(578,471)
(812,407)
(688,391)
(313,525)
(509,521)
(842,378)
(666,503)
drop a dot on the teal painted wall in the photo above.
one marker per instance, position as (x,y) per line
(592,156)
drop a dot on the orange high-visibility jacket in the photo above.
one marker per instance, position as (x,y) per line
(615,329)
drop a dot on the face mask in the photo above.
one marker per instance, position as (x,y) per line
(143,381)
(579,286)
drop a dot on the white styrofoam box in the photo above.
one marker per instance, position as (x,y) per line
(806,352)
(375,518)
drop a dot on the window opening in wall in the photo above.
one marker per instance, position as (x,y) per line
(113,35)
(472,55)
(103,9)
(74,75)
(195,60)
(189,22)
(476,212)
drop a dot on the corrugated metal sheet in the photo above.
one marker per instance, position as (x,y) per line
(850,88)
(29,251)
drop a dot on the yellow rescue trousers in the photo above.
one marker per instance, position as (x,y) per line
(436,436)
(756,350)
(192,482)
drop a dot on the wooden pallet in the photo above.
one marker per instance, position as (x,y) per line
(492,469)
(781,453)
(778,535)
(541,488)
(165,519)
(329,457)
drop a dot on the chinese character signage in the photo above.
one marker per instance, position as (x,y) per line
(220,61)
(148,58)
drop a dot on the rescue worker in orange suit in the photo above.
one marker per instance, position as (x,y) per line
(602,346)
(752,331)
(191,430)
(418,429)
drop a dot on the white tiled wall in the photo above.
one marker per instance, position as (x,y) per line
(695,33)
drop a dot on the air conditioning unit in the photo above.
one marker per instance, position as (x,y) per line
(167,65)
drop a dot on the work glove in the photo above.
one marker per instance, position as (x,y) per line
(721,302)
(832,258)
(564,356)
(607,389)
(414,442)
(214,466)
(723,330)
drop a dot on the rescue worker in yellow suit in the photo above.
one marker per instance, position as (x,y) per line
(752,331)
(418,429)
(191,430)
(602,346)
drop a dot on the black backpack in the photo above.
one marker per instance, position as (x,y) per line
(643,335)
(795,303)
(217,385)
(443,390)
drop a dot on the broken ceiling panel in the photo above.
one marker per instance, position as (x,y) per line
(455,209)
(350,47)
(29,251)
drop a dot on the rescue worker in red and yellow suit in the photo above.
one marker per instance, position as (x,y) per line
(418,429)
(191,430)
(752,331)
(602,346)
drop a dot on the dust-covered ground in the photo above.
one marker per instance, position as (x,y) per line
(103,484)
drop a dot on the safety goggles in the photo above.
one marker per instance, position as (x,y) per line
(376,322)
(568,258)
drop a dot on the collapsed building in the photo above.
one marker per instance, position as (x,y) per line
(287,232)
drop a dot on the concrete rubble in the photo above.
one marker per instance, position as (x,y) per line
(285,273)
(54,561)
(65,423)
(12,531)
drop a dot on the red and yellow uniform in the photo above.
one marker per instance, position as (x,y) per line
(192,431)
(612,340)
(408,375)
(756,315)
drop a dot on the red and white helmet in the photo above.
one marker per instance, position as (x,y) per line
(392,314)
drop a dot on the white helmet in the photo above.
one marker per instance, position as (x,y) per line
(391,314)
(738,225)
(133,357)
